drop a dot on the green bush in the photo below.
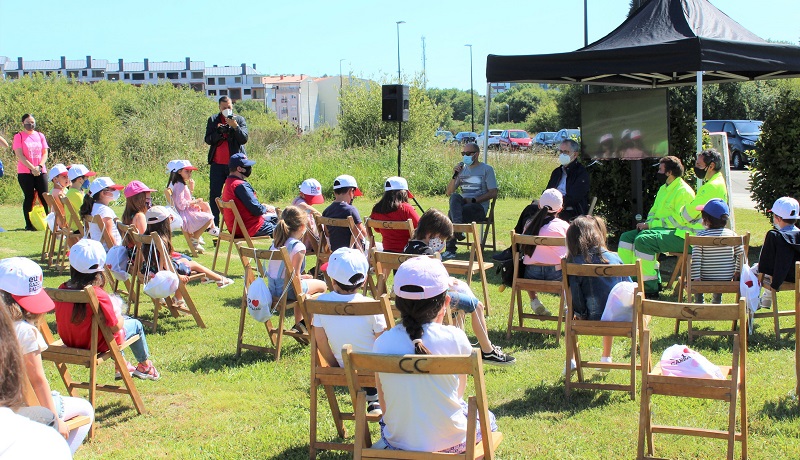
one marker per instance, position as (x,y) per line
(777,166)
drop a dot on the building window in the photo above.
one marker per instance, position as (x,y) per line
(161,75)
(85,73)
(172,75)
(237,80)
(113,76)
(247,91)
(284,100)
(183,74)
(98,73)
(223,92)
(12,75)
(197,75)
(72,73)
(221,80)
(150,76)
(212,92)
(138,76)
(211,81)
(127,76)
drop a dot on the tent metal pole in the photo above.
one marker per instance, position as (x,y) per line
(486,121)
(699,117)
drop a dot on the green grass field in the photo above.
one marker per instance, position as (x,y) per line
(209,404)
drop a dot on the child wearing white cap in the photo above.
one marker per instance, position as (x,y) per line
(21,293)
(422,412)
(59,176)
(345,189)
(348,269)
(102,192)
(394,206)
(195,212)
(781,247)
(78,176)
(87,260)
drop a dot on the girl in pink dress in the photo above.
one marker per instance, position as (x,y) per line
(195,212)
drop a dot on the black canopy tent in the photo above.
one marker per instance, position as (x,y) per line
(664,43)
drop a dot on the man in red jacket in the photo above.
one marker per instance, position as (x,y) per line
(259,219)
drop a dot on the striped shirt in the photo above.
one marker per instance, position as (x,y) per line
(716,263)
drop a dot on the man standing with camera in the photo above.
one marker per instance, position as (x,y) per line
(226,135)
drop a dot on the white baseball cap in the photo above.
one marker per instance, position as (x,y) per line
(397,183)
(87,256)
(156,214)
(22,278)
(346,181)
(177,165)
(786,208)
(78,170)
(57,170)
(312,189)
(101,183)
(421,278)
(553,199)
(348,266)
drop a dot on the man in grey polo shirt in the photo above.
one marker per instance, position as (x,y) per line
(478,187)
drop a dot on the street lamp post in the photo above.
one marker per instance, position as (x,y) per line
(471,91)
(399,78)
(341,86)
(508,111)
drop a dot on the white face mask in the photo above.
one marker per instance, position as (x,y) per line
(115,195)
(227,112)
(436,244)
(564,159)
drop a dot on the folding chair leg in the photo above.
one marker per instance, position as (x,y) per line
(228,259)
(484,283)
(560,322)
(510,315)
(578,359)
(67,379)
(336,412)
(775,317)
(240,337)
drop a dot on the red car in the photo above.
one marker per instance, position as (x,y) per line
(515,139)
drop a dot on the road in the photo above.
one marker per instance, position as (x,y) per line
(740,190)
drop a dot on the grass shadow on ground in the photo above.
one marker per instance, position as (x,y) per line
(301,452)
(109,415)
(546,397)
(785,408)
(227,361)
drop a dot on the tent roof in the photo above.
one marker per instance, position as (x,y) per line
(663,44)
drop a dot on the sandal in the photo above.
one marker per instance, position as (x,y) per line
(224,282)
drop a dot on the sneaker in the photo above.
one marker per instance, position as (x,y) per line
(503,256)
(130,367)
(572,366)
(214,231)
(605,359)
(652,295)
(538,308)
(225,282)
(498,357)
(201,241)
(300,328)
(460,236)
(766,300)
(447,255)
(146,371)
(374,408)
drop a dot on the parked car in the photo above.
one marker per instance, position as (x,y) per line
(494,138)
(544,138)
(564,134)
(465,136)
(444,136)
(515,139)
(742,136)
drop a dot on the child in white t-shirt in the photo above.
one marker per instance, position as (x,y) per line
(348,270)
(102,192)
(289,232)
(423,412)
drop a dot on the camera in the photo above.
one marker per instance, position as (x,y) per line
(222,129)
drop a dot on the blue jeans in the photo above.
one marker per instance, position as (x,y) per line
(267,227)
(462,301)
(542,272)
(139,347)
(276,286)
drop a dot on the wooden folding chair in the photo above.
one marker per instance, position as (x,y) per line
(374,226)
(157,254)
(774,312)
(689,287)
(323,255)
(73,218)
(488,225)
(186,235)
(422,366)
(62,355)
(474,264)
(521,284)
(654,382)
(228,235)
(58,234)
(575,327)
(330,375)
(255,263)
(592,204)
(30,399)
(107,242)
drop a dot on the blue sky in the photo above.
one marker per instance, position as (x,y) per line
(312,36)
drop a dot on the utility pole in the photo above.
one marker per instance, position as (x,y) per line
(424,74)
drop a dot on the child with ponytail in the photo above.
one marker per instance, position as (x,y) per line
(423,412)
(102,192)
(289,232)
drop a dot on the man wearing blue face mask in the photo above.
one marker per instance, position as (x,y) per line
(478,187)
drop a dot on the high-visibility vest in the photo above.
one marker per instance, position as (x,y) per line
(666,209)
(691,219)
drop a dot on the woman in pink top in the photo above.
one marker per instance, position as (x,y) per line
(30,147)
(544,262)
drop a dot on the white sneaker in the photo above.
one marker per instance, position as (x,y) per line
(538,308)
(605,359)
(766,300)
(214,231)
(572,366)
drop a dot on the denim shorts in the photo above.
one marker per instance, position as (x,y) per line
(462,301)
(542,272)
(276,288)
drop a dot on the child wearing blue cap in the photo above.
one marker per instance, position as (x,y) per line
(715,263)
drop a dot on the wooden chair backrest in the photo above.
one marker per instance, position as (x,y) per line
(57,208)
(73,217)
(633,270)
(324,223)
(691,241)
(239,230)
(83,296)
(423,365)
(383,262)
(373,224)
(517,241)
(255,263)
(473,240)
(168,196)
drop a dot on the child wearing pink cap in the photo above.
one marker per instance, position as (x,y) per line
(138,199)
(195,213)
(23,297)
